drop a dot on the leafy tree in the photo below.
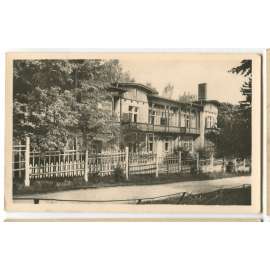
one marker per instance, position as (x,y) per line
(232,138)
(243,116)
(54,100)
(38,101)
(234,121)
(148,84)
(187,98)
(245,69)
(168,91)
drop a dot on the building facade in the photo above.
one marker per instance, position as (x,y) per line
(151,123)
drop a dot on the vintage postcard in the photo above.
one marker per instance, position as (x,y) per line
(133,132)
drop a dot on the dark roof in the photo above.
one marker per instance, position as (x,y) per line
(117,89)
(153,94)
(210,101)
(148,89)
(175,101)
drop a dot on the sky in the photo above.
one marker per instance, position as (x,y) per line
(186,74)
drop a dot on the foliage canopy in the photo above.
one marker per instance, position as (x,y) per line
(54,100)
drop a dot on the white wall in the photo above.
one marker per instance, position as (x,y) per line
(211,110)
(135,98)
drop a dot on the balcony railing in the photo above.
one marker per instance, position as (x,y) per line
(161,128)
(212,130)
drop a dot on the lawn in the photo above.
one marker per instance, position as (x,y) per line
(229,196)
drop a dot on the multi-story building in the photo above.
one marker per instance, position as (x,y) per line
(151,123)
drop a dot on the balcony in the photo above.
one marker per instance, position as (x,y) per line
(160,128)
(212,130)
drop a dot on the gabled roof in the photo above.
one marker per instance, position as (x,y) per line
(153,94)
(145,88)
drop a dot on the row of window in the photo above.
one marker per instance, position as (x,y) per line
(162,120)
(153,119)
(186,144)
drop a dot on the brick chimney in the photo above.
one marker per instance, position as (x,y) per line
(202,91)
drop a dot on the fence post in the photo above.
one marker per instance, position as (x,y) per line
(126,160)
(86,167)
(20,159)
(179,161)
(212,162)
(27,163)
(244,164)
(197,162)
(157,164)
(224,165)
(235,165)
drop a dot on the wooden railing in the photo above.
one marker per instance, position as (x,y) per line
(161,128)
(31,165)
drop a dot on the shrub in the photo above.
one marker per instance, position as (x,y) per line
(118,173)
(184,152)
(205,152)
(193,169)
(230,167)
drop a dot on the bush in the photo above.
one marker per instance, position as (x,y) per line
(230,167)
(184,152)
(118,173)
(205,152)
(193,169)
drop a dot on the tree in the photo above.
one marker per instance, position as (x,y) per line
(244,112)
(245,69)
(168,91)
(187,98)
(38,101)
(234,121)
(232,138)
(225,136)
(54,100)
(148,84)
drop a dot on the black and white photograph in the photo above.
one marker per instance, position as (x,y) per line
(137,129)
(135,135)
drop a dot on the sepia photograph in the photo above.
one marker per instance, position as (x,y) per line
(135,135)
(133,132)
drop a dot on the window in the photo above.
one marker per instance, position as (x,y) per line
(135,118)
(209,122)
(150,142)
(130,113)
(163,119)
(187,144)
(132,147)
(166,146)
(187,120)
(151,147)
(133,113)
(152,117)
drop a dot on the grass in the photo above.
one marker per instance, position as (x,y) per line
(229,196)
(55,185)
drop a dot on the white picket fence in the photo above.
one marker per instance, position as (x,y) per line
(32,165)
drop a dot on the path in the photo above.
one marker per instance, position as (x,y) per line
(143,191)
